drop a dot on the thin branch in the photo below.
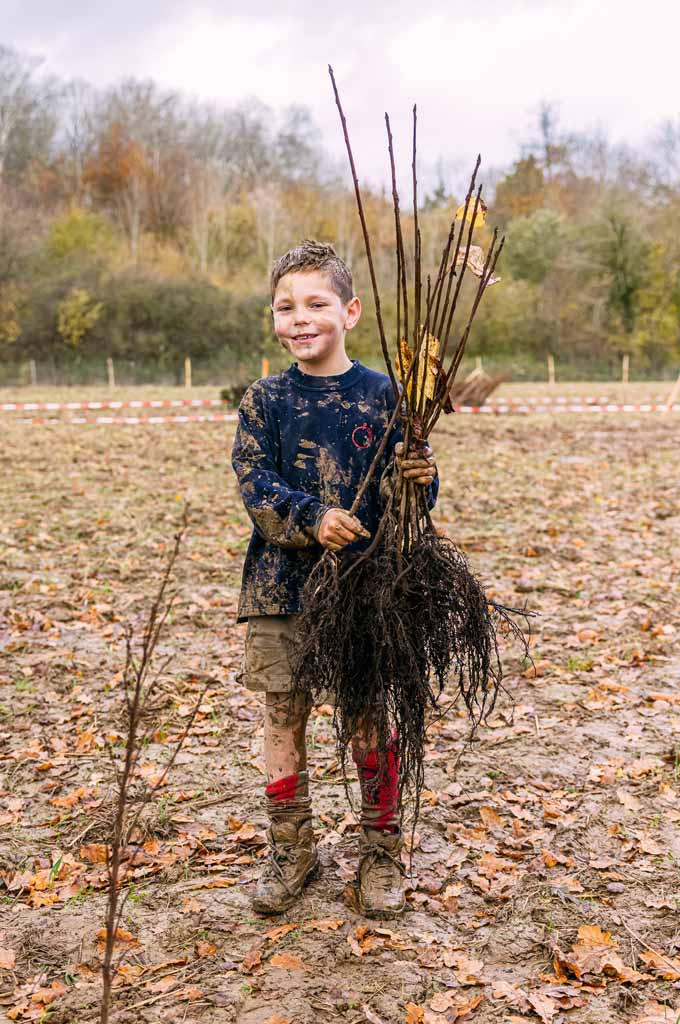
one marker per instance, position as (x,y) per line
(367,241)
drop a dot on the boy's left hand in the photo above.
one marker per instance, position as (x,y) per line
(417,465)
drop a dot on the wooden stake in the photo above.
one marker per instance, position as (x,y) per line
(265,366)
(33,372)
(675,392)
(111,373)
(187,372)
(551,369)
(625,368)
(478,364)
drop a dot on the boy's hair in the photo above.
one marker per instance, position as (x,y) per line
(313,255)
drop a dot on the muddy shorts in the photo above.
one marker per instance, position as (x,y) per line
(265,661)
(266,664)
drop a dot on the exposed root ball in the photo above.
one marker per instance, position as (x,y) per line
(385,633)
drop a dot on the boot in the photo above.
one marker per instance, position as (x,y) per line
(381,887)
(293,861)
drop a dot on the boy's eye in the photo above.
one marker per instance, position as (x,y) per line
(318,305)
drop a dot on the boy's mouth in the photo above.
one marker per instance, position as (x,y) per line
(304,337)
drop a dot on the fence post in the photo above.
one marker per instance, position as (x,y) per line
(551,369)
(625,368)
(265,366)
(478,364)
(33,372)
(187,372)
(110,372)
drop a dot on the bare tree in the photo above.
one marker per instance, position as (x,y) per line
(17,96)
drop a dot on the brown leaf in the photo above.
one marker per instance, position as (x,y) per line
(544,1006)
(189,992)
(251,960)
(277,1020)
(490,818)
(204,948)
(282,929)
(215,883)
(370,1015)
(655,1013)
(665,966)
(8,959)
(324,924)
(414,1013)
(288,962)
(93,853)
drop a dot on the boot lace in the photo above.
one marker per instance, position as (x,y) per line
(381,864)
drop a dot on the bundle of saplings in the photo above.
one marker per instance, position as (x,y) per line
(386,629)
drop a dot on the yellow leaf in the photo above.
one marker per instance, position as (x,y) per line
(427,379)
(481,212)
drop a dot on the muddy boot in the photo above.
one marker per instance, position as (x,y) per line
(381,886)
(293,861)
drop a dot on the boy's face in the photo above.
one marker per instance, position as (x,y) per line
(310,320)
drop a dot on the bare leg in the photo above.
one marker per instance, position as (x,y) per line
(285,748)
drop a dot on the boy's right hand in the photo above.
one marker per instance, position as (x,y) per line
(338,528)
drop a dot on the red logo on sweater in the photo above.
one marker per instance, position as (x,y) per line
(362,436)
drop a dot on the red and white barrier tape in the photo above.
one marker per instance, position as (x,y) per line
(176,403)
(489,410)
(141,404)
(128,421)
(576,407)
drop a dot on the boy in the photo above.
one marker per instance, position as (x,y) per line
(303,444)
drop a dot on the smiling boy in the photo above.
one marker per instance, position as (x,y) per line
(304,441)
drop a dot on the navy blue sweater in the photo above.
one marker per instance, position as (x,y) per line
(303,442)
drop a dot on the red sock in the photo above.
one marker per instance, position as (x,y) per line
(380,789)
(283,791)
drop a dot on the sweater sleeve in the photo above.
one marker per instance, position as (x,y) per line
(279,513)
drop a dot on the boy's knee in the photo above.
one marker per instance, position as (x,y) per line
(287,709)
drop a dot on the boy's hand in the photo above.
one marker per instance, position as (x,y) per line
(338,528)
(417,465)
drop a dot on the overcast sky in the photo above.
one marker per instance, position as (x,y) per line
(477,71)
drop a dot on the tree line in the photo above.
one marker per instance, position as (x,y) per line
(138,224)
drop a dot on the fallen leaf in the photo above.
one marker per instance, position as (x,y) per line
(8,959)
(204,948)
(324,924)
(655,1013)
(282,929)
(665,966)
(543,1005)
(93,853)
(251,960)
(371,1015)
(414,1013)
(288,962)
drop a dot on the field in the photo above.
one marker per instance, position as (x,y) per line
(545,876)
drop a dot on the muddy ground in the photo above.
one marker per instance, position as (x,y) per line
(545,882)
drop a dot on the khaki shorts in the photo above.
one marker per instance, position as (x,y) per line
(265,661)
(266,665)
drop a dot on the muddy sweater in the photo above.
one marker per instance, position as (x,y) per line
(303,442)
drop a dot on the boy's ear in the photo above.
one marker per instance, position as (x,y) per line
(353,312)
